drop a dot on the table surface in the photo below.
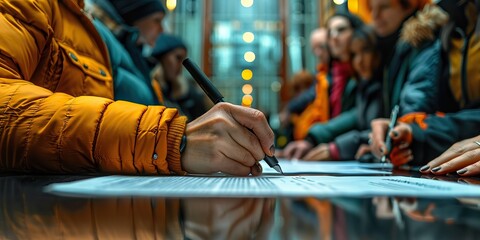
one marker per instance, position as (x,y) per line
(27,212)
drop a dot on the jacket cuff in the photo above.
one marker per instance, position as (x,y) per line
(417,145)
(174,138)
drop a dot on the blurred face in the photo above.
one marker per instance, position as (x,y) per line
(319,45)
(150,28)
(387,16)
(172,63)
(363,59)
(339,37)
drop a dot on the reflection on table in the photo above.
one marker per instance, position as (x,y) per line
(27,212)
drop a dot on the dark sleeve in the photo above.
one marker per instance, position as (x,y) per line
(348,143)
(443,132)
(326,132)
(298,104)
(421,87)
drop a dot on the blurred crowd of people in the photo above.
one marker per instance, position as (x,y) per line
(414,54)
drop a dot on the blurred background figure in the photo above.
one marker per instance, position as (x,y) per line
(127,26)
(298,104)
(168,81)
(332,110)
(423,137)
(365,60)
(301,82)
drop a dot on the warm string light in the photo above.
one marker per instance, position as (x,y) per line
(171,4)
(246,3)
(249,56)
(248,37)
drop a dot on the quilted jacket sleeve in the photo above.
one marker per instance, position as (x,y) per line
(43,131)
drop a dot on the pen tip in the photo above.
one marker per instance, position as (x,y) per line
(278,169)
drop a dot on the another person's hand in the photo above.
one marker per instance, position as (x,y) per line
(401,139)
(462,157)
(362,150)
(297,149)
(318,153)
(220,141)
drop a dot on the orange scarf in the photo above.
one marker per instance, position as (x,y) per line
(317,111)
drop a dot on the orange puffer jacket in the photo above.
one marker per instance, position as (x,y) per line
(56,109)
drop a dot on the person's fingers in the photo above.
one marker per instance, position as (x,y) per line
(312,155)
(401,133)
(399,156)
(241,154)
(254,120)
(379,131)
(466,164)
(299,153)
(318,153)
(471,170)
(362,150)
(454,151)
(289,150)
(256,169)
(232,167)
(280,153)
(245,138)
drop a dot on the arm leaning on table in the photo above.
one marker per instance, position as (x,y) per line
(48,124)
(58,116)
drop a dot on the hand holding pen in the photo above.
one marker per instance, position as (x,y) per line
(233,137)
(388,138)
(391,140)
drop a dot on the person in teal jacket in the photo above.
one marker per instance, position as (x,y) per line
(120,24)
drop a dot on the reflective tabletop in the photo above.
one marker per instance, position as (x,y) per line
(28,212)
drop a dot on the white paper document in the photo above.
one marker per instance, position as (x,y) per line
(264,186)
(325,167)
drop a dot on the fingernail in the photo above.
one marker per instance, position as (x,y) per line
(395,133)
(436,169)
(259,167)
(462,171)
(272,150)
(424,168)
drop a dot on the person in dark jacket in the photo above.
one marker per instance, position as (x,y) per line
(169,52)
(422,137)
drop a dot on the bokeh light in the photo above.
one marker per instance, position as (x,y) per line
(246,3)
(247,74)
(248,37)
(249,56)
(247,100)
(247,89)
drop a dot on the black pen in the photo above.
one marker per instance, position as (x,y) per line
(388,139)
(216,97)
